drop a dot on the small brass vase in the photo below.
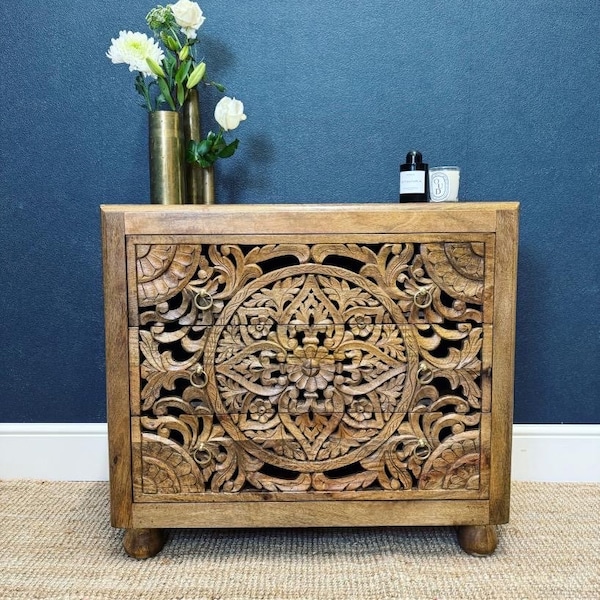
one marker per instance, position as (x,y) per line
(209,184)
(193,131)
(166,146)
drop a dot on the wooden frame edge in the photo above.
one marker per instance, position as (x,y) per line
(507,233)
(117,367)
(347,513)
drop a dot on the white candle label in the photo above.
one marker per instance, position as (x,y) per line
(412,182)
(440,186)
(443,184)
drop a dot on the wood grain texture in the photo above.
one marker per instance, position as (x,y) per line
(312,366)
(314,218)
(306,365)
(504,356)
(478,540)
(143,543)
(312,514)
(117,367)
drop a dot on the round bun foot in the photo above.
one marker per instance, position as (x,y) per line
(144,543)
(478,540)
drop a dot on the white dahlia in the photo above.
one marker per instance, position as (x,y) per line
(133,49)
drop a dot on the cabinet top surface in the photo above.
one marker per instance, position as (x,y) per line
(315,208)
(360,218)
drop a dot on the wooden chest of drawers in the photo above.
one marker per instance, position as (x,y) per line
(303,365)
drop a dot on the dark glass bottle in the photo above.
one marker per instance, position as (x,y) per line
(413,178)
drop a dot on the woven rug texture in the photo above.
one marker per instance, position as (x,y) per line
(56,543)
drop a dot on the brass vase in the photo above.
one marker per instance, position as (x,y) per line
(209,184)
(192,130)
(166,146)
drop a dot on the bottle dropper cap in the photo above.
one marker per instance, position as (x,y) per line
(414,157)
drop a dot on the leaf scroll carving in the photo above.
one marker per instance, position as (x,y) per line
(309,359)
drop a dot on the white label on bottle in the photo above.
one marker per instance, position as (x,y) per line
(412,182)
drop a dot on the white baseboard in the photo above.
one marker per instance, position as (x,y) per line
(54,451)
(556,453)
(78,452)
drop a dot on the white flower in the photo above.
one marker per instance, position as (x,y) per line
(188,15)
(229,112)
(133,49)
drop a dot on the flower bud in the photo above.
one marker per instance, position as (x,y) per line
(170,42)
(155,67)
(184,52)
(196,75)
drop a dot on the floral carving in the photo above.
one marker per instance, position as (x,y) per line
(309,357)
(163,271)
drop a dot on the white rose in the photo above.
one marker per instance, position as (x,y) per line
(229,112)
(188,15)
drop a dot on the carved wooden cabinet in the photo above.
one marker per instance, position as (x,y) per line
(303,365)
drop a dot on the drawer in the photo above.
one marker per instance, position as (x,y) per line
(211,466)
(303,370)
(184,284)
(320,401)
(272,369)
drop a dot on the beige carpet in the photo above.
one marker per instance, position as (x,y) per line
(55,542)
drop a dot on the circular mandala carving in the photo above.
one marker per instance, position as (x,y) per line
(454,464)
(166,468)
(322,391)
(164,270)
(458,268)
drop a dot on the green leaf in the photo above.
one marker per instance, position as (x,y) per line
(139,84)
(183,71)
(206,151)
(197,151)
(170,62)
(219,86)
(143,89)
(204,147)
(191,154)
(164,88)
(180,94)
(228,150)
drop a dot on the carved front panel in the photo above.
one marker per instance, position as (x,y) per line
(295,370)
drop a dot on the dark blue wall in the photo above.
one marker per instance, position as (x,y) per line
(336,92)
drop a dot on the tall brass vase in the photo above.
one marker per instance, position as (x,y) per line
(209,184)
(166,146)
(192,130)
